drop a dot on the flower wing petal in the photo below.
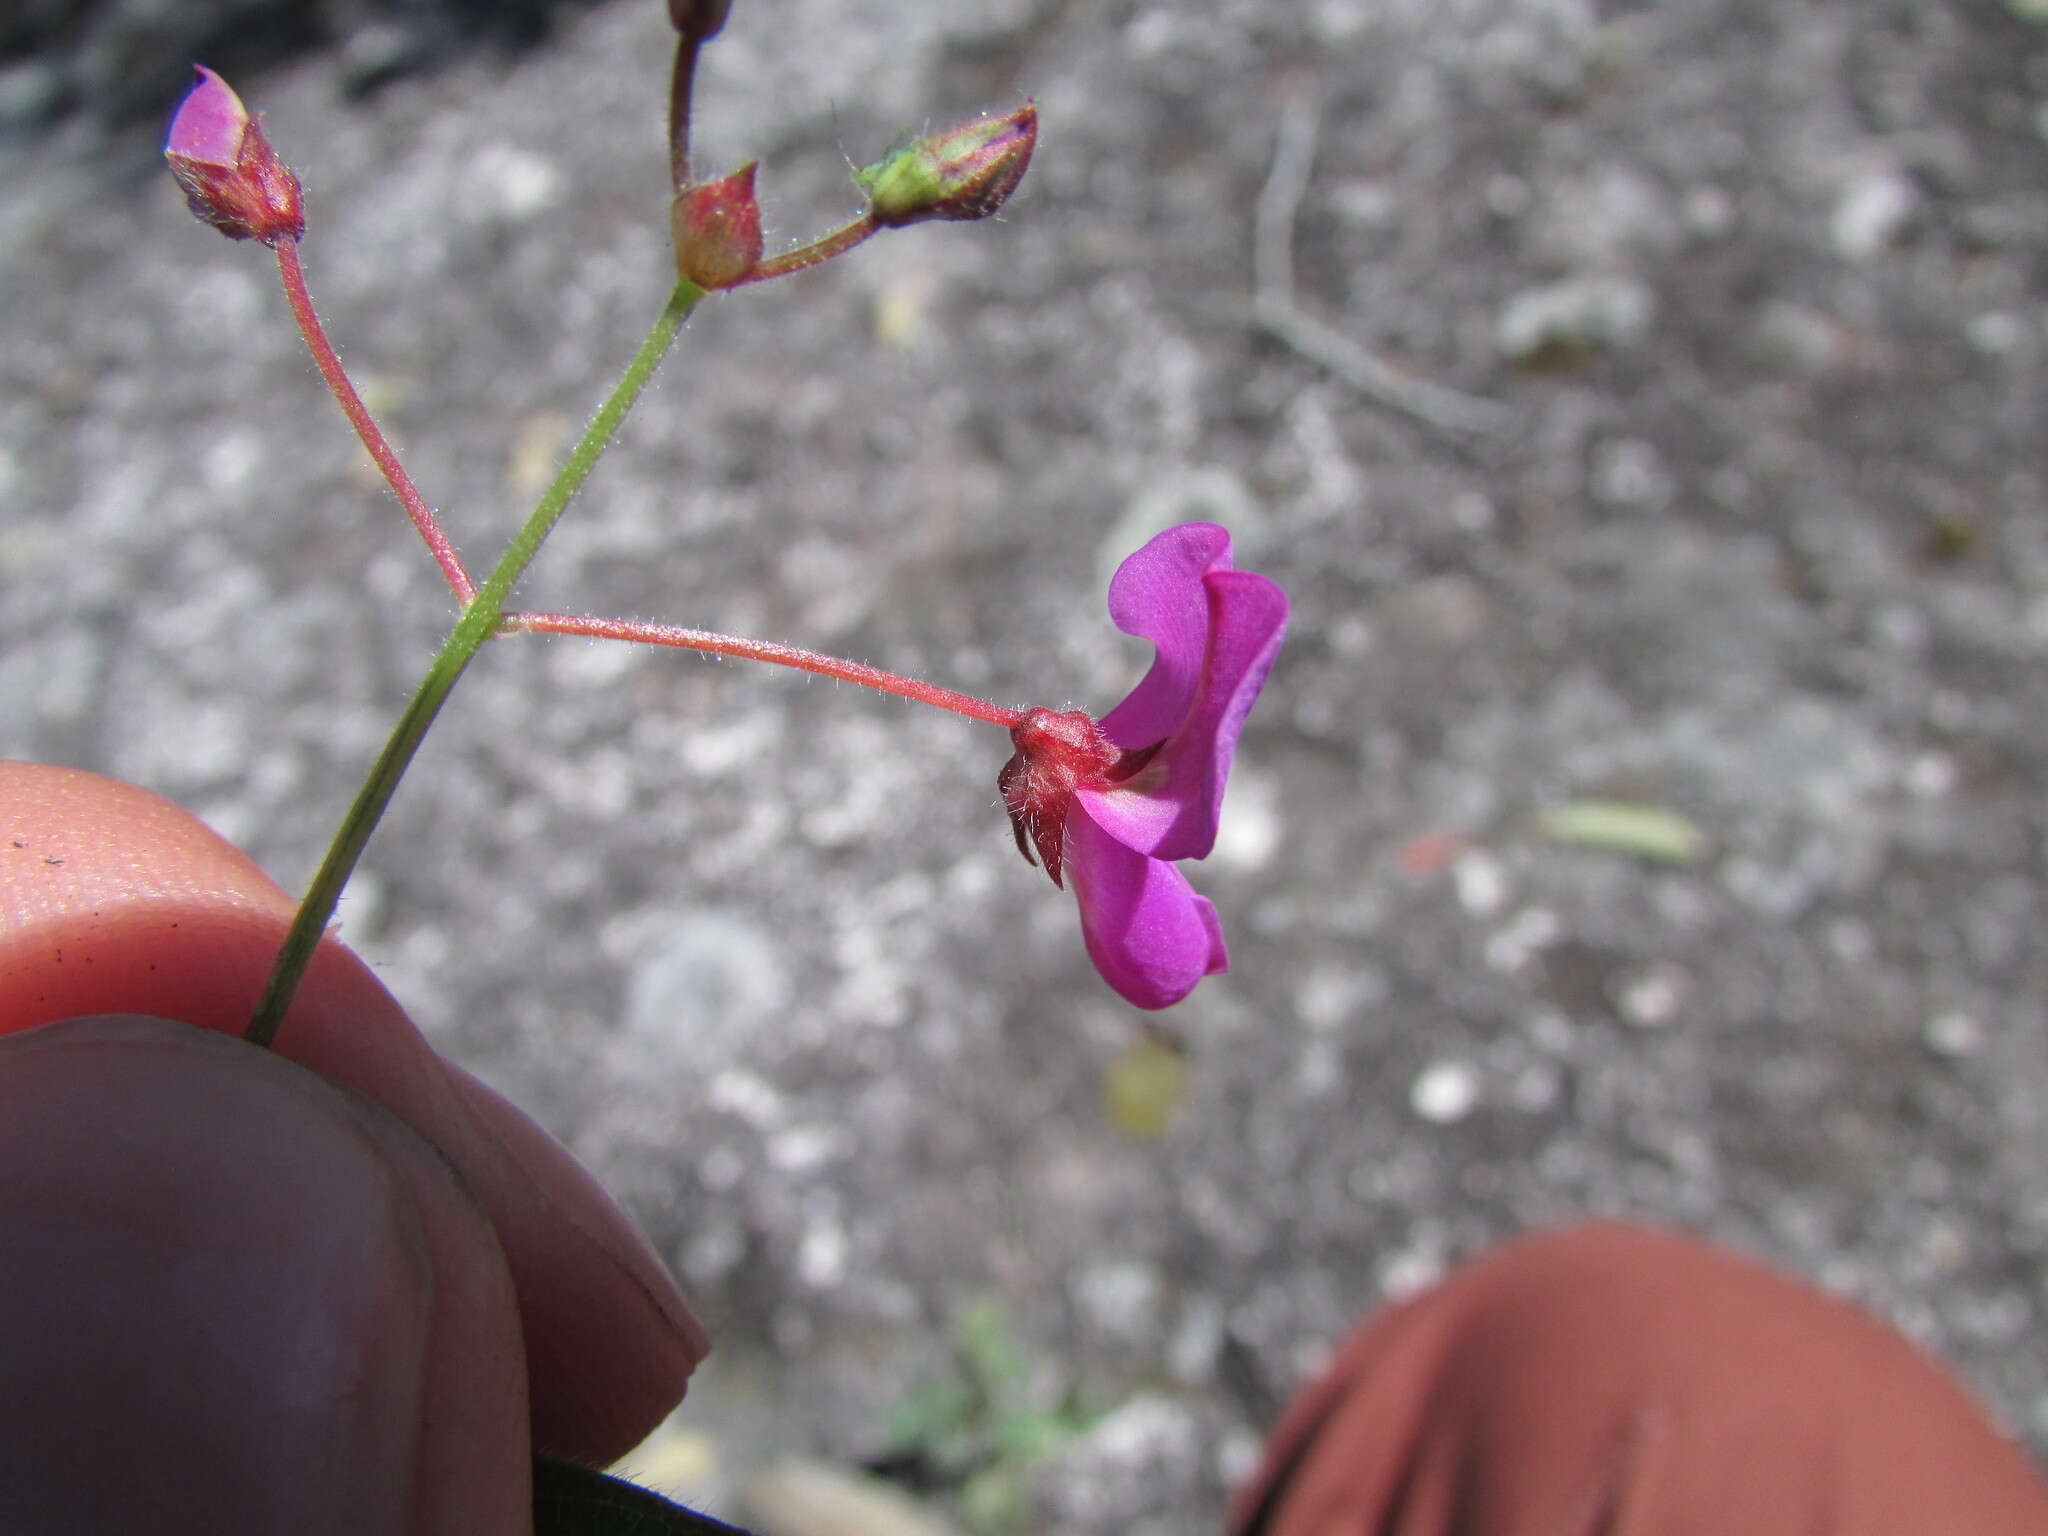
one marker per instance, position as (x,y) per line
(1171,808)
(1148,932)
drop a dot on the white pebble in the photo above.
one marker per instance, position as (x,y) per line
(1651,998)
(1872,213)
(1444,1092)
(1932,775)
(1953,1034)
(1482,884)
(1530,931)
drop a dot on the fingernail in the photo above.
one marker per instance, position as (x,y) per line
(215,1297)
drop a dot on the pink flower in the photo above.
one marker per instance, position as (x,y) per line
(232,178)
(1112,803)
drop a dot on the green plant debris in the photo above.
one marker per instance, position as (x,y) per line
(1143,1086)
(978,1433)
(1620,826)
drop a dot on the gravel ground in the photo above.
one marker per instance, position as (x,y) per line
(1639,403)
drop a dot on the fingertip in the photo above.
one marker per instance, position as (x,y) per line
(115,900)
(261,1300)
(617,1342)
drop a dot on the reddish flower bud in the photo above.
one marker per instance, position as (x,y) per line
(698,19)
(717,227)
(964,173)
(232,178)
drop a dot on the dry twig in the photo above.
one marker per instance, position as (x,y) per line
(1275,312)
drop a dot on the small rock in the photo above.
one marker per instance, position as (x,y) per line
(1932,775)
(1409,1270)
(1120,1297)
(1331,997)
(1629,473)
(1650,998)
(1579,314)
(510,185)
(1481,883)
(32,93)
(1251,829)
(1996,332)
(714,966)
(1708,212)
(1444,1092)
(1529,932)
(1449,610)
(808,1498)
(1507,196)
(382,52)
(1537,1087)
(822,1252)
(1805,340)
(1871,214)
(1953,1034)
(1197,1342)
(805,1148)
(1110,1480)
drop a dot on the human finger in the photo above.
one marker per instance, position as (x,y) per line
(1612,1377)
(113,900)
(241,1299)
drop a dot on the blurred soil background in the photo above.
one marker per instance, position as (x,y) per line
(1642,404)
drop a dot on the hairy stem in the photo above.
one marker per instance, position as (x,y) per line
(293,276)
(479,620)
(822,249)
(763,650)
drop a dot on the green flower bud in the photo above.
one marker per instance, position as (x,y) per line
(967,172)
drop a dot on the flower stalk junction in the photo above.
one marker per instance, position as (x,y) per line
(1107,807)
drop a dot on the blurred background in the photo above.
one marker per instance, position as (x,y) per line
(1643,406)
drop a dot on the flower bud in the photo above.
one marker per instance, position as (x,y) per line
(698,19)
(232,178)
(717,228)
(967,172)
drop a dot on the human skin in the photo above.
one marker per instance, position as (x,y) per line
(339,1285)
(1610,1378)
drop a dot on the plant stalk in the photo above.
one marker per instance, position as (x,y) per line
(479,620)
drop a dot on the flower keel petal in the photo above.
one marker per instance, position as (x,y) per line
(1148,932)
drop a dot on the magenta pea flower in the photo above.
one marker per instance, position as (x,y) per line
(232,178)
(1111,804)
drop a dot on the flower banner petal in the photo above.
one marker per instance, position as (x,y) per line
(1158,595)
(210,122)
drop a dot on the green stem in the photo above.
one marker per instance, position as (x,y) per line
(478,622)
